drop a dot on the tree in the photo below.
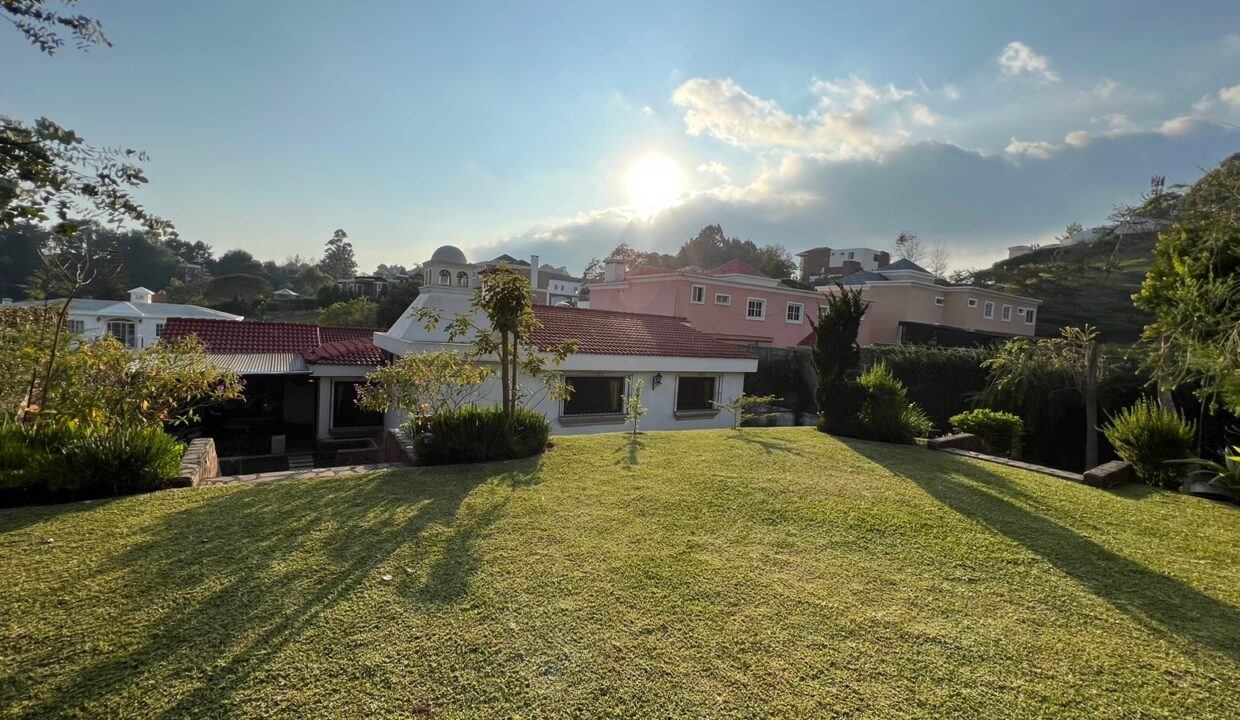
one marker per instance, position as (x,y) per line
(48,171)
(311,280)
(21,256)
(1072,229)
(237,262)
(1191,289)
(195,253)
(741,407)
(150,263)
(835,352)
(237,288)
(634,409)
(87,262)
(1024,371)
(391,272)
(358,312)
(423,385)
(395,302)
(338,260)
(909,247)
(940,258)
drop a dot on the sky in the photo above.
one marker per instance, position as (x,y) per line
(564,129)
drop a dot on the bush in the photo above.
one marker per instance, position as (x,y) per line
(942,381)
(45,464)
(875,407)
(480,435)
(997,429)
(1146,437)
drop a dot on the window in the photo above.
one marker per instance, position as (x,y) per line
(938,301)
(445,277)
(462,279)
(988,310)
(159,330)
(695,393)
(1030,316)
(595,396)
(346,413)
(796,313)
(972,302)
(697,294)
(756,309)
(122,330)
(1007,313)
(77,327)
(850,254)
(723,299)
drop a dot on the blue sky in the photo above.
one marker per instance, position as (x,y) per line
(512,127)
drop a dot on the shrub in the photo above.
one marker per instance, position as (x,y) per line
(942,381)
(886,414)
(481,434)
(997,429)
(1147,437)
(43,464)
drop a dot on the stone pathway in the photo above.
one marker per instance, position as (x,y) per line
(325,472)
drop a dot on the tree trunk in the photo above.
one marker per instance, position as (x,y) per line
(505,390)
(1091,405)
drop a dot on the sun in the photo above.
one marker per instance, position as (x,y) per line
(654,184)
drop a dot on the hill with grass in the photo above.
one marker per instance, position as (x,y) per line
(1090,282)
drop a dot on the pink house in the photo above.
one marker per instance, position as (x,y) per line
(735,302)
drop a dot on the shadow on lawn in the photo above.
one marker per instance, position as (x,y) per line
(630,451)
(1152,598)
(288,554)
(768,443)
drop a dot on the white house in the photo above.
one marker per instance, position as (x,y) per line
(684,371)
(138,323)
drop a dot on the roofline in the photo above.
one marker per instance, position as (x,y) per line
(942,288)
(718,279)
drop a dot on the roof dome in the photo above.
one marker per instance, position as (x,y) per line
(449,254)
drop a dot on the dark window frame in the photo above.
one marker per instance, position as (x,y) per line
(707,399)
(572,407)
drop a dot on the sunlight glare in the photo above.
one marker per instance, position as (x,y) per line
(654,184)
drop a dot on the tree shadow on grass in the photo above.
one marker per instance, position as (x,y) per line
(630,451)
(251,571)
(1152,598)
(768,443)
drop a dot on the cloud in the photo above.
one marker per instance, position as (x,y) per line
(716,168)
(950,92)
(1179,126)
(1231,43)
(851,119)
(1019,60)
(1038,150)
(923,116)
(977,203)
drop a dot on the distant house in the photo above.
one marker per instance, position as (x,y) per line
(138,323)
(371,286)
(825,262)
(300,385)
(552,285)
(684,371)
(906,306)
(735,302)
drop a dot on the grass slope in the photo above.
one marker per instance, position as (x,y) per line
(1087,283)
(774,572)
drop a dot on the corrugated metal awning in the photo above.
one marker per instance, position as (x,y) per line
(261,363)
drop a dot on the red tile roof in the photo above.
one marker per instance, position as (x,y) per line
(318,345)
(605,332)
(737,267)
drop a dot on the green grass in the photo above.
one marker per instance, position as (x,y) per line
(774,572)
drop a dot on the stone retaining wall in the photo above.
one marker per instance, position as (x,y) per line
(198,463)
(397,447)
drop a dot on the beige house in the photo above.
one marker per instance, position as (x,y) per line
(905,305)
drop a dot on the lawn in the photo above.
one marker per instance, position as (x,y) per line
(774,572)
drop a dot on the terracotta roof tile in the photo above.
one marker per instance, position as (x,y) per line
(605,332)
(737,267)
(322,345)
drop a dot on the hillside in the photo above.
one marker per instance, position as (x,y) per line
(1091,282)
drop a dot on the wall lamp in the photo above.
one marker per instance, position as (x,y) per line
(658,379)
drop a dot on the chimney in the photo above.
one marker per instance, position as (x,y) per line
(613,271)
(534,271)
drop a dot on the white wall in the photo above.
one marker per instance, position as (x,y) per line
(144,328)
(660,404)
